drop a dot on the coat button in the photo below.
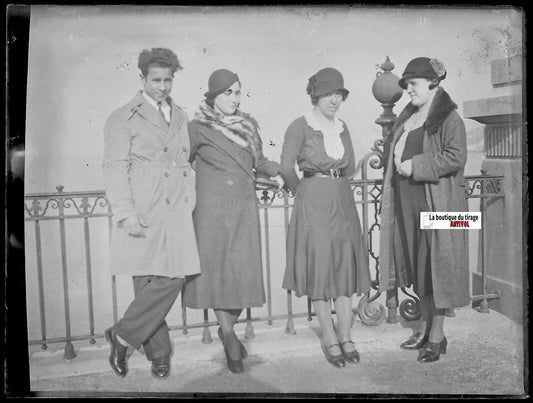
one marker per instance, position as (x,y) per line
(184,149)
(230,182)
(185,173)
(167,174)
(167,201)
(149,280)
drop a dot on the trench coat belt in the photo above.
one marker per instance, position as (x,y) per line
(160,164)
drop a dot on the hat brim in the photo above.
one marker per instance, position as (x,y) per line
(229,82)
(326,91)
(428,76)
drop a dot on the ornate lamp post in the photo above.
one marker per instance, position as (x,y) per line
(387,91)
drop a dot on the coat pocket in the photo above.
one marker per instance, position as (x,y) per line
(144,184)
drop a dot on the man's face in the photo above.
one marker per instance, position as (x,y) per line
(158,82)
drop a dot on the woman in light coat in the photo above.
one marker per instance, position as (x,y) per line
(424,173)
(227,154)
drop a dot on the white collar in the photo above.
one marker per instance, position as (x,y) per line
(315,124)
(153,102)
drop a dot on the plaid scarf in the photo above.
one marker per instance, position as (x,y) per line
(239,128)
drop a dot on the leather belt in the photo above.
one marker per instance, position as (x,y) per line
(332,173)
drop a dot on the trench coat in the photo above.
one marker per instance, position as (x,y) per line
(147,172)
(440,167)
(227,224)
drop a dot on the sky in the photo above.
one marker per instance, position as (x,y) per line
(83,65)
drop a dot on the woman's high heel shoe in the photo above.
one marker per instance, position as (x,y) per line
(244,353)
(235,366)
(350,356)
(417,341)
(335,360)
(433,351)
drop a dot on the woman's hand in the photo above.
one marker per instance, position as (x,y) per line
(280,182)
(405,168)
(134,226)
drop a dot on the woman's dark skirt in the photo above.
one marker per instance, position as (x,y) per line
(326,257)
(410,200)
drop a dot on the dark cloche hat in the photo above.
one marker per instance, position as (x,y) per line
(219,81)
(423,67)
(325,81)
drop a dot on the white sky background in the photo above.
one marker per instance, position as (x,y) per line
(83,65)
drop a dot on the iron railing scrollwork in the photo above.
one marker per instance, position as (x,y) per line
(85,206)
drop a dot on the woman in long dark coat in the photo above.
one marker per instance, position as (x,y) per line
(425,173)
(227,151)
(326,258)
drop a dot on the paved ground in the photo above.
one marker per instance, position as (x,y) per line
(485,357)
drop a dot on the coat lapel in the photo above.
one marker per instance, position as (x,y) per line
(148,112)
(224,144)
(176,118)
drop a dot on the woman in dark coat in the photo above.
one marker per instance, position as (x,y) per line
(326,258)
(425,173)
(227,151)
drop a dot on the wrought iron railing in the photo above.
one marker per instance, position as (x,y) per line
(62,207)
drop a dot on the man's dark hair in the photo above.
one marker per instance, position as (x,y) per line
(158,57)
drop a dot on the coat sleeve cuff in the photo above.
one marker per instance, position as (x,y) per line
(120,214)
(423,169)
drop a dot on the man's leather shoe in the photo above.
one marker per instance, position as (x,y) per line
(417,341)
(117,355)
(161,367)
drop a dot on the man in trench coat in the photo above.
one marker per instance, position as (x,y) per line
(150,185)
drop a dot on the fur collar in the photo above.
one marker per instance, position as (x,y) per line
(439,110)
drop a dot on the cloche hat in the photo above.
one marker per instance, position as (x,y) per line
(326,81)
(219,81)
(423,67)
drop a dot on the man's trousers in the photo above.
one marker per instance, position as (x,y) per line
(143,323)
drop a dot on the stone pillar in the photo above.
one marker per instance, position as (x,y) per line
(502,116)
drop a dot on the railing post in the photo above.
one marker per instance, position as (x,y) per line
(35,211)
(265,199)
(86,234)
(206,334)
(183,313)
(392,305)
(387,91)
(249,330)
(484,305)
(69,348)
(113,277)
(289,328)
